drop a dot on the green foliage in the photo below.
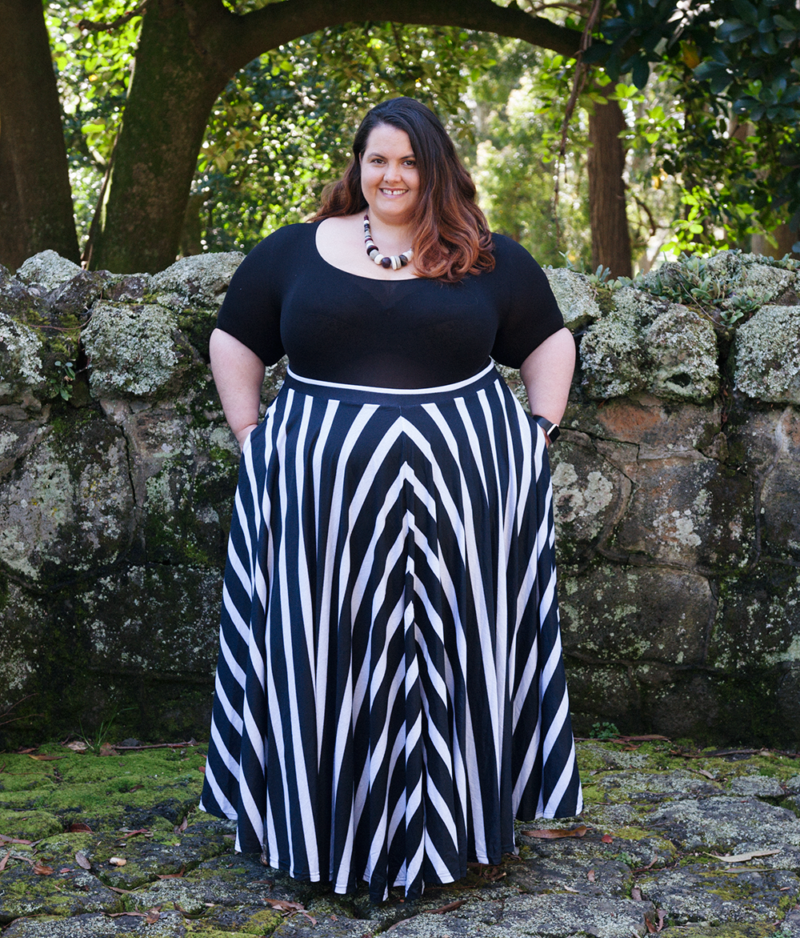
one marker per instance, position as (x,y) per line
(604,731)
(735,147)
(284,125)
(66,377)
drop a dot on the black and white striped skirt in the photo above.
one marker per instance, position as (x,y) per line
(390,690)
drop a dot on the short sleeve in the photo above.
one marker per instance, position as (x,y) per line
(530,313)
(251,310)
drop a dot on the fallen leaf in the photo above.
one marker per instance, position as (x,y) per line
(590,876)
(578,831)
(65,869)
(78,827)
(4,861)
(136,787)
(141,830)
(177,875)
(4,839)
(202,769)
(118,889)
(117,861)
(308,915)
(744,857)
(446,908)
(120,914)
(77,746)
(704,772)
(636,894)
(661,917)
(153,915)
(607,839)
(46,758)
(283,905)
(106,749)
(41,870)
(183,825)
(82,860)
(645,739)
(569,889)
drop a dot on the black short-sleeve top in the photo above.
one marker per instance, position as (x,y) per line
(415,333)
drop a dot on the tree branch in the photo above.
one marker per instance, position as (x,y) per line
(91,26)
(246,37)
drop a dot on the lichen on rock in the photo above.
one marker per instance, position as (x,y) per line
(575,297)
(203,278)
(132,350)
(768,355)
(48,270)
(20,361)
(683,347)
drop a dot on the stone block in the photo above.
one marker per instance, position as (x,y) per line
(614,359)
(757,625)
(575,296)
(134,351)
(68,505)
(201,280)
(655,428)
(21,372)
(624,614)
(589,495)
(768,355)
(683,349)
(48,270)
(154,620)
(689,511)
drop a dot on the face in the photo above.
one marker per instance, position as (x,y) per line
(389,175)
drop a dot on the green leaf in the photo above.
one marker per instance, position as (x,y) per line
(641,72)
(746,10)
(768,44)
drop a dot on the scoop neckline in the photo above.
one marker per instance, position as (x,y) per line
(358,276)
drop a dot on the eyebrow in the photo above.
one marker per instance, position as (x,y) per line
(408,156)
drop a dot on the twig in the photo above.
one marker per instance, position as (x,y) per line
(91,26)
(578,82)
(191,742)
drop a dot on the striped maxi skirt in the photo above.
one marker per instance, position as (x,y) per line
(390,689)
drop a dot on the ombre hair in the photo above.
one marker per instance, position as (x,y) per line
(452,237)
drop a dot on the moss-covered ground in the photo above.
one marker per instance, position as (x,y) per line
(112,845)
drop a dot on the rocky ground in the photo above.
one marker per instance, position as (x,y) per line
(108,843)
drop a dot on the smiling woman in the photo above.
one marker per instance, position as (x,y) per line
(390,691)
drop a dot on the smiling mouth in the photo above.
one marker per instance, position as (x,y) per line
(394,191)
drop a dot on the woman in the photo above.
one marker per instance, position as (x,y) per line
(390,691)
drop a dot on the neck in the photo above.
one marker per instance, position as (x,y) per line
(390,233)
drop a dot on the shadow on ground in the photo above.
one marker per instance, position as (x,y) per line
(113,846)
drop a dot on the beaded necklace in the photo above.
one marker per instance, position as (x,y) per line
(395,261)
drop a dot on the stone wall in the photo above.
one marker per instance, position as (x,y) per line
(676,488)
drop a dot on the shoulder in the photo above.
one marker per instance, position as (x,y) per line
(285,238)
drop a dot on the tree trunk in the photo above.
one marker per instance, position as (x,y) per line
(188,50)
(611,241)
(35,198)
(173,88)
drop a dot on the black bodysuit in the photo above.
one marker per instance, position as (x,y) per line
(341,327)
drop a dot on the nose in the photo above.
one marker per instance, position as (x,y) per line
(392,172)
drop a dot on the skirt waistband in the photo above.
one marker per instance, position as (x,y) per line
(394,397)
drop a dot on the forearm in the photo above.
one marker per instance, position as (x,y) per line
(238,375)
(547,375)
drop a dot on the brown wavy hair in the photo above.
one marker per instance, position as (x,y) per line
(452,237)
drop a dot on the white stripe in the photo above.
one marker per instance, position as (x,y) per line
(438,389)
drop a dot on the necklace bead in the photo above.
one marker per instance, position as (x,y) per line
(395,261)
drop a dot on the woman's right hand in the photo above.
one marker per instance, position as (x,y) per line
(238,374)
